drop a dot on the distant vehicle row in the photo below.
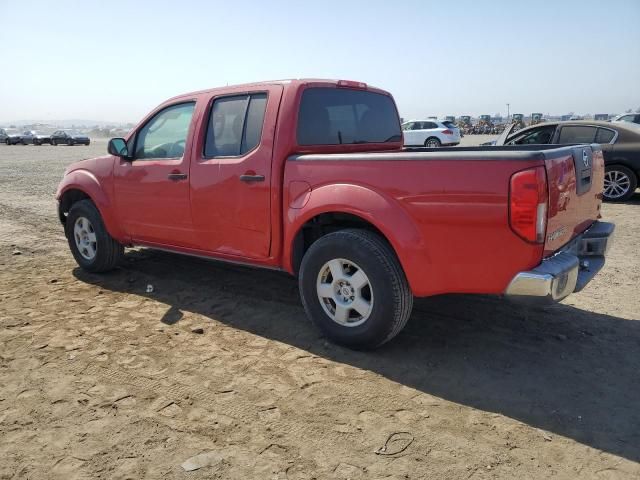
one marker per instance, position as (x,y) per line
(59,137)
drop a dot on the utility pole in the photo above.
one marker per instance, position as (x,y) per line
(508,112)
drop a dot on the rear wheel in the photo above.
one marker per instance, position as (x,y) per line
(620,183)
(90,243)
(70,142)
(54,143)
(432,142)
(354,290)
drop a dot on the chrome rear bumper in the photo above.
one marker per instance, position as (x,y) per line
(569,270)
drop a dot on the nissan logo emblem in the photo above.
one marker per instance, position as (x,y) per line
(585,158)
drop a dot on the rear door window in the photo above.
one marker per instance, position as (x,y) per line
(577,134)
(335,116)
(235,125)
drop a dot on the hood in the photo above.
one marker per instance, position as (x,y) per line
(86,164)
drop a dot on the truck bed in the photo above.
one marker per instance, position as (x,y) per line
(457,201)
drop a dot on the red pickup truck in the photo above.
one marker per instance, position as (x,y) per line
(311,177)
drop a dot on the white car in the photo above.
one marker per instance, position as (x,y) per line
(628,117)
(430,133)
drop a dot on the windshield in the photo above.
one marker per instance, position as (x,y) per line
(335,116)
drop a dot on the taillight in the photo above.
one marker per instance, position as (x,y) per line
(528,199)
(447,132)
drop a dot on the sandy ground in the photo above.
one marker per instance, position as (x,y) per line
(100,379)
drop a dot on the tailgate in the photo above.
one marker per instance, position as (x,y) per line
(575,176)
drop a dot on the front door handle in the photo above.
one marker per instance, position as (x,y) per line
(251,178)
(177,176)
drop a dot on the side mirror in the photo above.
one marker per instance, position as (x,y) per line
(118,147)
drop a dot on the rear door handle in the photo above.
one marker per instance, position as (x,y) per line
(177,176)
(251,178)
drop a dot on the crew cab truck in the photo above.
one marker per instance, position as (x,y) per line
(311,177)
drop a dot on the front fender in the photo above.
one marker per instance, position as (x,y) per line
(380,210)
(86,182)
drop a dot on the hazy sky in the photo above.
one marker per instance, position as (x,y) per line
(116,60)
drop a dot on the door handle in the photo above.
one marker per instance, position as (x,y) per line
(251,178)
(177,176)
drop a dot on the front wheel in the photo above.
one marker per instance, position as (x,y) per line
(90,243)
(54,143)
(70,142)
(620,183)
(354,290)
(432,142)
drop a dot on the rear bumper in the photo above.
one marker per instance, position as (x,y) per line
(569,270)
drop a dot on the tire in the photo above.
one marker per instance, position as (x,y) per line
(389,297)
(7,141)
(54,143)
(107,251)
(620,183)
(70,142)
(432,142)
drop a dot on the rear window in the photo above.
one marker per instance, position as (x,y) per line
(449,124)
(335,116)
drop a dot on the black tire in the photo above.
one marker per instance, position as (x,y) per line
(108,251)
(7,141)
(54,143)
(626,177)
(70,142)
(432,142)
(36,143)
(392,297)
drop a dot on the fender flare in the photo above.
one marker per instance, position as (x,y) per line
(383,212)
(87,183)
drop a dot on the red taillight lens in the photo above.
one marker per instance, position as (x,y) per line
(447,132)
(528,200)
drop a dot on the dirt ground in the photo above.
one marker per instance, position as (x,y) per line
(101,379)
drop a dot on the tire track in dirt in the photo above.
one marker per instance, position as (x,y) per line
(292,424)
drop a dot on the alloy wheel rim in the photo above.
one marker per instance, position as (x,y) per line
(616,184)
(345,292)
(85,238)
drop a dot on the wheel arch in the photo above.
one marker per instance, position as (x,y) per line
(83,185)
(336,207)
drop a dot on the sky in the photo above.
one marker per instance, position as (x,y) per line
(116,60)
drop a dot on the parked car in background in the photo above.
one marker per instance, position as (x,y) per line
(33,137)
(620,143)
(64,137)
(430,133)
(3,135)
(311,177)
(12,136)
(628,117)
